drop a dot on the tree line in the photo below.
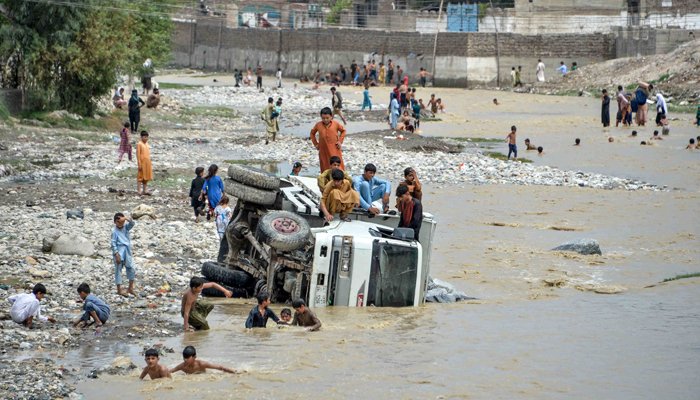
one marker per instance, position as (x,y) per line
(66,54)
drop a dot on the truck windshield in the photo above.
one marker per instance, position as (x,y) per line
(393,275)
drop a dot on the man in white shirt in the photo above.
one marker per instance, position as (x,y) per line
(26,307)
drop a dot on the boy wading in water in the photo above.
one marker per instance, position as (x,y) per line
(122,252)
(195,312)
(512,147)
(191,365)
(153,369)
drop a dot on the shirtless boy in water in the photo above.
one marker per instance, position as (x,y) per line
(193,366)
(153,369)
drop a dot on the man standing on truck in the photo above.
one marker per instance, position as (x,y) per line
(338,197)
(371,188)
(331,135)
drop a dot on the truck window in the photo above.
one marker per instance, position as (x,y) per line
(393,275)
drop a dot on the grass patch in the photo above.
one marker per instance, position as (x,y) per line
(430,119)
(683,276)
(172,85)
(686,109)
(474,139)
(503,157)
(109,122)
(4,113)
(203,111)
(631,86)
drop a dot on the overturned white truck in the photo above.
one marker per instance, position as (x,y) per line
(278,243)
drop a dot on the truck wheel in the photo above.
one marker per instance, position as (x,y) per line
(283,230)
(250,194)
(254,177)
(215,272)
(237,292)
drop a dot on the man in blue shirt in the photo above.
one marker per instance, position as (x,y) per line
(122,252)
(562,68)
(371,189)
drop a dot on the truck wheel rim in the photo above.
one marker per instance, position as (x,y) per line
(285,225)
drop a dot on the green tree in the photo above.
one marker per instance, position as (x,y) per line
(67,54)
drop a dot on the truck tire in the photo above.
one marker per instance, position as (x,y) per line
(253,177)
(237,293)
(250,194)
(283,230)
(215,272)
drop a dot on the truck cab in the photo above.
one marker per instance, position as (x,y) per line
(285,248)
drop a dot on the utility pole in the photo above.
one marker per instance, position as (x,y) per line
(498,54)
(437,31)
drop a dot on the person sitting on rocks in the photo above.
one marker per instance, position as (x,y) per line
(153,99)
(305,317)
(194,312)
(94,308)
(338,197)
(405,123)
(118,98)
(153,369)
(191,365)
(529,146)
(325,177)
(371,188)
(25,307)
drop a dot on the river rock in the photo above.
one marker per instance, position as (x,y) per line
(39,273)
(75,214)
(143,210)
(49,237)
(122,363)
(581,246)
(73,244)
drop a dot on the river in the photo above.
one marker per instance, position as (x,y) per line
(522,338)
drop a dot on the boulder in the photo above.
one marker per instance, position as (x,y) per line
(49,238)
(72,244)
(75,214)
(39,273)
(581,246)
(143,210)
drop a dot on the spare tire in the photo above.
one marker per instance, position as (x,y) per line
(283,230)
(250,194)
(216,272)
(254,177)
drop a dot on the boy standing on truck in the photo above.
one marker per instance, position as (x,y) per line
(194,313)
(260,313)
(338,197)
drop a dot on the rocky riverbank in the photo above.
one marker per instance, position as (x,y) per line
(51,171)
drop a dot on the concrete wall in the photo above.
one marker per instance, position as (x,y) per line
(460,57)
(642,41)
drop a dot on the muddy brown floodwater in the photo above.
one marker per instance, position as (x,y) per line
(540,329)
